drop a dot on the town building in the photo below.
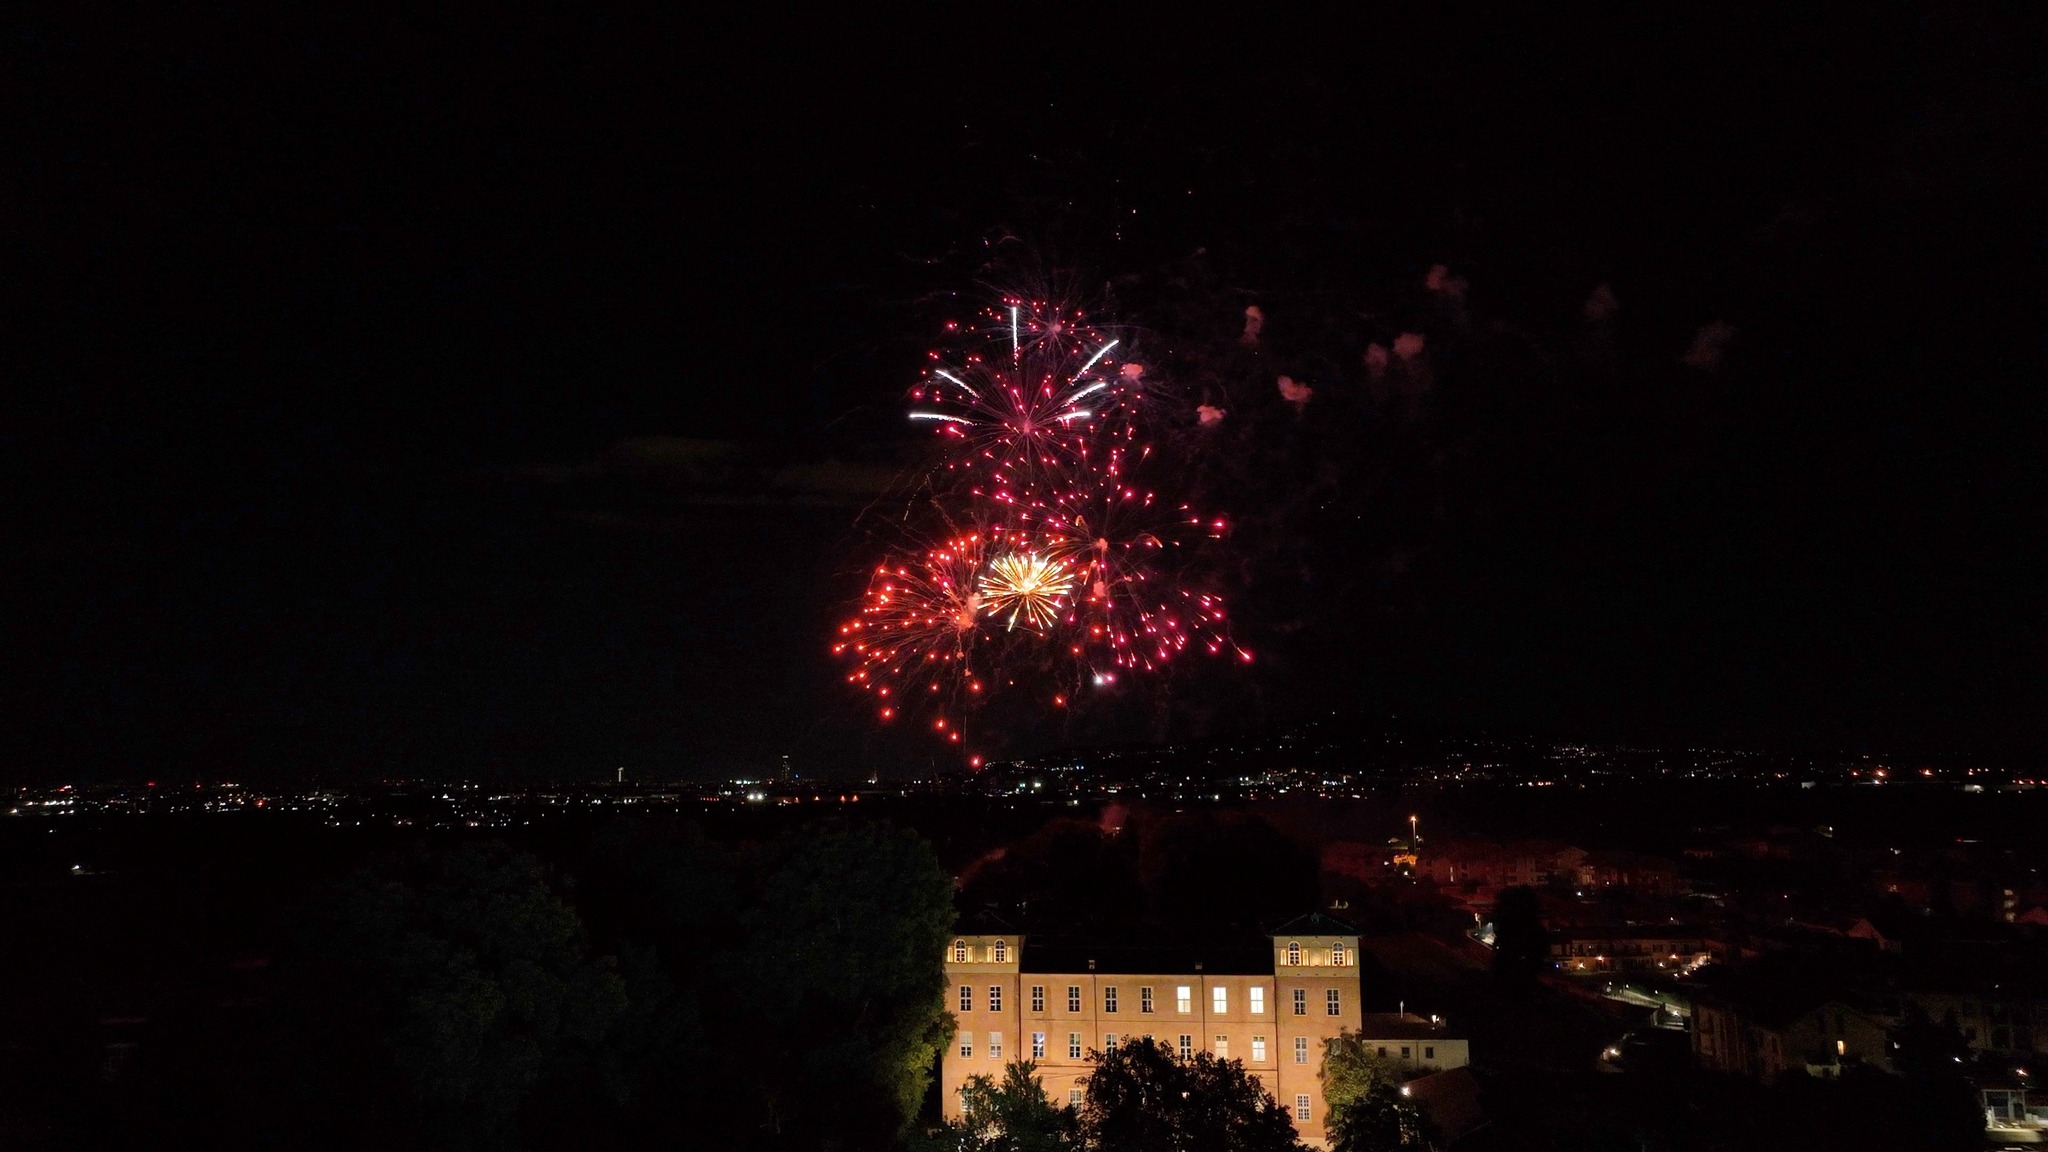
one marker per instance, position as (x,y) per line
(1419,1044)
(1054,1004)
(1760,1033)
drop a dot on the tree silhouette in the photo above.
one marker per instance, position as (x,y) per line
(1140,1098)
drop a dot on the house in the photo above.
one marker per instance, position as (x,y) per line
(1760,1032)
(1638,948)
(1271,1007)
(1419,1044)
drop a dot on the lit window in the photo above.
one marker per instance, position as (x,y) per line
(1073,997)
(959,951)
(1301,1049)
(995,1045)
(1184,998)
(1336,954)
(1301,1001)
(1333,1002)
(1038,1045)
(1258,1049)
(1258,995)
(1002,951)
(1186,1046)
(1294,953)
(1221,998)
(1223,1047)
(995,997)
(1301,1106)
(1038,997)
(1109,998)
(1429,1051)
(1109,1041)
(967,997)
(1073,1045)
(966,1045)
(1073,1097)
(1145,999)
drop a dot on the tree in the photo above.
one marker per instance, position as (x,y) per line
(1362,1096)
(1012,1116)
(427,998)
(1521,945)
(1140,1098)
(853,922)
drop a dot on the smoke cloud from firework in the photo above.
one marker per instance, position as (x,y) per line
(1038,560)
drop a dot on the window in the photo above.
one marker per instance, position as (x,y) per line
(995,1045)
(1221,997)
(966,1101)
(1073,1045)
(995,997)
(1301,1001)
(1301,1106)
(1336,954)
(1383,1049)
(1294,953)
(966,1045)
(1002,952)
(1109,998)
(1404,1052)
(967,997)
(1109,1041)
(1258,995)
(1429,1051)
(1184,998)
(1073,997)
(959,951)
(1145,999)
(1223,1047)
(1258,1049)
(1038,997)
(1333,1002)
(1301,1049)
(1073,1097)
(1038,1045)
(1186,1046)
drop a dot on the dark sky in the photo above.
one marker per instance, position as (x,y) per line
(401,394)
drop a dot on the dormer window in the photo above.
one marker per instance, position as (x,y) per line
(1002,952)
(1294,954)
(959,951)
(1337,955)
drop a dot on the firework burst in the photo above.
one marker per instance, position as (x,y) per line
(912,643)
(1075,568)
(1026,586)
(1030,405)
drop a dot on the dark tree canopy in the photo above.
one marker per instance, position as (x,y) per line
(1521,945)
(1013,1115)
(1362,1096)
(431,994)
(1140,1098)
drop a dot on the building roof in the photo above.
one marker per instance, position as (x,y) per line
(1402,1026)
(1163,958)
(1314,924)
(1452,1100)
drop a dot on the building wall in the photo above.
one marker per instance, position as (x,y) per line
(1423,1054)
(1235,1029)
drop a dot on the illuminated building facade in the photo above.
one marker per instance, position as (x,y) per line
(1055,1004)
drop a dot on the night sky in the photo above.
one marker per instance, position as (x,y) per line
(410,395)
